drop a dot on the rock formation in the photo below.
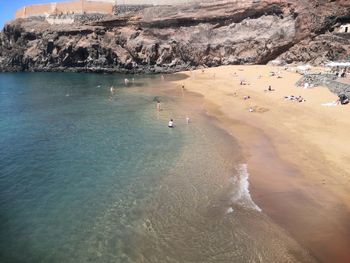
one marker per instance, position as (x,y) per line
(173,38)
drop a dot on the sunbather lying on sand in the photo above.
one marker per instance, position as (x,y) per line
(243,82)
(294,98)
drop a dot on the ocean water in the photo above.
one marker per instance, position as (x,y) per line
(87,175)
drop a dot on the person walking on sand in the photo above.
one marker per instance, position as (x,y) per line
(171,123)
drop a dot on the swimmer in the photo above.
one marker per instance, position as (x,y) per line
(171,123)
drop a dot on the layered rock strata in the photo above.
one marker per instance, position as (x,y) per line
(174,38)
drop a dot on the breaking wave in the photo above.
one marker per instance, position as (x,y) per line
(241,194)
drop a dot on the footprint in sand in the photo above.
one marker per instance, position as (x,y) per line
(148,225)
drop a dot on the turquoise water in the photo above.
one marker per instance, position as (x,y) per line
(66,152)
(90,176)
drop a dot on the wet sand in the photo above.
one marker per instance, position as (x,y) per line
(298,153)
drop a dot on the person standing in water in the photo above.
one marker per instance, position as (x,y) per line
(171,123)
(126,82)
(187,120)
(158,106)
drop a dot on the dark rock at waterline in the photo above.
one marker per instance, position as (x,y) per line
(169,39)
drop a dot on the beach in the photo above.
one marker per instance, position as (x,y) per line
(297,152)
(90,170)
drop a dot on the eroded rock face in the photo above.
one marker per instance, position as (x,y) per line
(168,39)
(319,49)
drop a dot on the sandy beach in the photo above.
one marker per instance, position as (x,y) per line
(297,152)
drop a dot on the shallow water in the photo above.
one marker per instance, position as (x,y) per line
(90,176)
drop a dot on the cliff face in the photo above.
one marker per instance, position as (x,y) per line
(167,39)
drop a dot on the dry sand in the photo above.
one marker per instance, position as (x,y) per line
(298,154)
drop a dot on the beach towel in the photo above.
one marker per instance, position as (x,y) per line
(329,104)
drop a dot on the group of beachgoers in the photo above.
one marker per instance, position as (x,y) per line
(171,121)
(269,89)
(341,72)
(343,99)
(295,98)
(113,90)
(127,82)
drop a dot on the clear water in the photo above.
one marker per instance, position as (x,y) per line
(90,176)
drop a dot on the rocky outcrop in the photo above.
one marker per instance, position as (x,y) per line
(168,38)
(318,49)
(326,80)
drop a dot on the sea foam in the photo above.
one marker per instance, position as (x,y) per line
(241,194)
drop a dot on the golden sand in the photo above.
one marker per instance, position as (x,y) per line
(298,154)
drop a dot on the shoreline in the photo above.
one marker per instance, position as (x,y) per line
(204,202)
(296,178)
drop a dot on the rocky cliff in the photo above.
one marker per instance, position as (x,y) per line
(168,38)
